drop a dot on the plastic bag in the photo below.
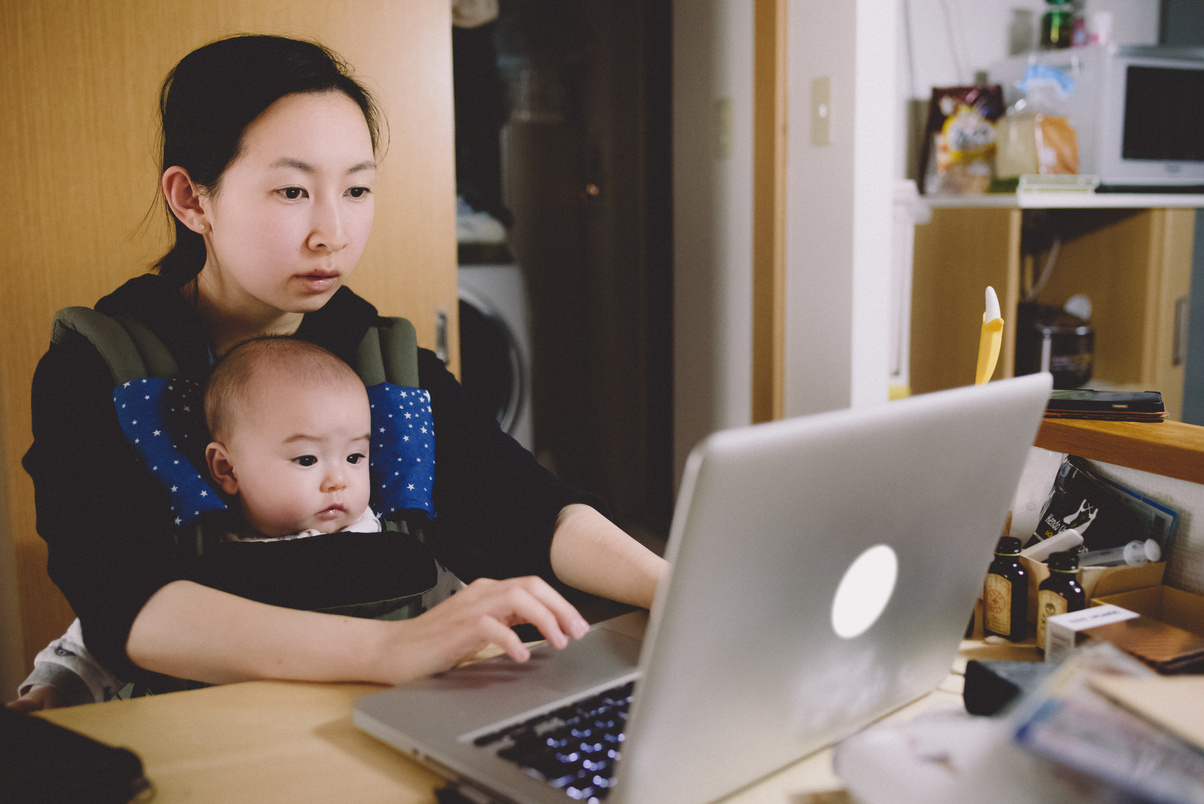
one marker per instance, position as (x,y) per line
(1035,136)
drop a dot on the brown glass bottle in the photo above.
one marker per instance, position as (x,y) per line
(1005,593)
(1060,592)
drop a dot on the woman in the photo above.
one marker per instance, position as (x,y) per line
(269,158)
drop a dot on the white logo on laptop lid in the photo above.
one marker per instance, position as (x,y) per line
(864,591)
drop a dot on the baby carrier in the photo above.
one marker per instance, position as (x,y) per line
(162,418)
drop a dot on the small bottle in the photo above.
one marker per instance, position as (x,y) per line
(1060,592)
(1005,593)
(1057,24)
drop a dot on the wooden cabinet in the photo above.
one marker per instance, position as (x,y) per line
(1131,257)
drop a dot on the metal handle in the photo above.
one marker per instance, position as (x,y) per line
(1182,321)
(441,349)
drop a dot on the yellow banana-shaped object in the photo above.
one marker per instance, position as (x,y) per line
(990,339)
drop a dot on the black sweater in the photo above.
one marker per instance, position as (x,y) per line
(108,526)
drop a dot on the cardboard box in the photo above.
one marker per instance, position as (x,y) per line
(1065,632)
(1096,581)
(1163,603)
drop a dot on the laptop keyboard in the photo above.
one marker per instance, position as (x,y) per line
(573,748)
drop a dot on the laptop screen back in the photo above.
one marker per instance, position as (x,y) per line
(744,670)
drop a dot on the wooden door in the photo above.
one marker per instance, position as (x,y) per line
(78,178)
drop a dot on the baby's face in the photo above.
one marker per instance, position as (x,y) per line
(300,457)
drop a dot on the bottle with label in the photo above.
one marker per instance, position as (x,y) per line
(1060,592)
(1005,593)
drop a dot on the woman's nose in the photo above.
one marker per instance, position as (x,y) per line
(329,232)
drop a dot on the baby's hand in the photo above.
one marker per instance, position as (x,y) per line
(37,698)
(482,614)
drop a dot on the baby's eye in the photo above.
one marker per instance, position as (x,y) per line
(355,457)
(306,460)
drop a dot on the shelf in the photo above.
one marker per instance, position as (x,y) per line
(1135,264)
(1049,200)
(1169,448)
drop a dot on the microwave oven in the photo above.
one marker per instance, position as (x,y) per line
(1136,111)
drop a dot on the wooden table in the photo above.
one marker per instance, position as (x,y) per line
(284,741)
(258,741)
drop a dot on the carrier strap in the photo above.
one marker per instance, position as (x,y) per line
(389,353)
(130,350)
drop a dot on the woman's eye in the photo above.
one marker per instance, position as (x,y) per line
(306,460)
(292,193)
(355,457)
(359,192)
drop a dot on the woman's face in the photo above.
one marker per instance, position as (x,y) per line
(291,214)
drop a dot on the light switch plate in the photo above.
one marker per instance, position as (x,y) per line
(821,111)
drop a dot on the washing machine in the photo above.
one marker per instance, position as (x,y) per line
(495,351)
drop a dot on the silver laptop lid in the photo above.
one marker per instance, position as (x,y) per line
(743,670)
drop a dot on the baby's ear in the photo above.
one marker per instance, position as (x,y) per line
(220,467)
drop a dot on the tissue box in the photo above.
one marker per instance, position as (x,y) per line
(1096,581)
(1065,632)
(1163,603)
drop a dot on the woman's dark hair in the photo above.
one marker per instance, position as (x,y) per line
(215,92)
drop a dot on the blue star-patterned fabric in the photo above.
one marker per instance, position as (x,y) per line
(163,419)
(401,458)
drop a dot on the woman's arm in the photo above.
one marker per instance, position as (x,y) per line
(193,631)
(592,554)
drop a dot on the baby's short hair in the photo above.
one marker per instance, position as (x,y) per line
(226,389)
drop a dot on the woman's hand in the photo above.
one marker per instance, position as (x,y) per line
(479,615)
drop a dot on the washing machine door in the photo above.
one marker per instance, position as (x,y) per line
(492,364)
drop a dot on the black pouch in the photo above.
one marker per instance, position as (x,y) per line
(41,761)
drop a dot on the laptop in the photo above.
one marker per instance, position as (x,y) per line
(823,572)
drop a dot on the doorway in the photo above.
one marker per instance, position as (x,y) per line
(563,136)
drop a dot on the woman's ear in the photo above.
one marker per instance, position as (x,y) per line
(184,198)
(220,467)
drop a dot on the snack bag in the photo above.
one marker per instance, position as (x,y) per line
(959,142)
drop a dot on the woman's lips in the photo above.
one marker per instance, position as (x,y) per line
(318,282)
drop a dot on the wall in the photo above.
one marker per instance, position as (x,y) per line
(838,206)
(712,218)
(837,251)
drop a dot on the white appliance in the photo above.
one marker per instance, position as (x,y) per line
(495,349)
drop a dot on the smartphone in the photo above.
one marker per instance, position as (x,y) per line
(1128,406)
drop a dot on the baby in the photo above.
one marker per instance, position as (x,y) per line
(290,425)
